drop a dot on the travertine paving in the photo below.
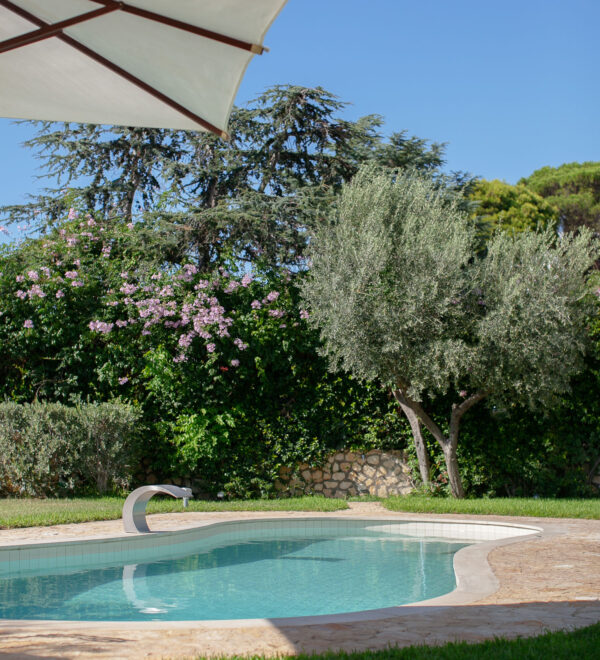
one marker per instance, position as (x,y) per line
(546,583)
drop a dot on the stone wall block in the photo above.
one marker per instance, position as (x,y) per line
(368,471)
(373,460)
(338,476)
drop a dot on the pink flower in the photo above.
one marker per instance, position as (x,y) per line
(235,363)
(101,326)
(463,394)
(77,283)
(240,344)
(272,296)
(33,275)
(28,324)
(304,314)
(210,348)
(72,274)
(123,380)
(255,304)
(20,278)
(21,294)
(186,339)
(246,280)
(36,291)
(60,294)
(130,225)
(77,262)
(72,214)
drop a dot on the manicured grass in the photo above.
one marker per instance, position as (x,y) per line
(31,512)
(509,506)
(580,644)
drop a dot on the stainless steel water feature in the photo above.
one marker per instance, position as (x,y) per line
(134,509)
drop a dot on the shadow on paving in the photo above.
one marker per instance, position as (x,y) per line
(414,625)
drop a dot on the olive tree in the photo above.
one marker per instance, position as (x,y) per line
(398,294)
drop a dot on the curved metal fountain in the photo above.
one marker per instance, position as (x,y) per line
(134,509)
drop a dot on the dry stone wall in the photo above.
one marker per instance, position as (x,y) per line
(348,473)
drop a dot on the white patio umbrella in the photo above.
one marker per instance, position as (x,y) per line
(155,63)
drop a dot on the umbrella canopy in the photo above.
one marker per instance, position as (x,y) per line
(155,63)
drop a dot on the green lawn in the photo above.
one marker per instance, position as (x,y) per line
(509,506)
(29,512)
(580,644)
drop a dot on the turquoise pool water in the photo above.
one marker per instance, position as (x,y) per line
(286,572)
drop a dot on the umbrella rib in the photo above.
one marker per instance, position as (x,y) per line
(115,68)
(187,27)
(50,30)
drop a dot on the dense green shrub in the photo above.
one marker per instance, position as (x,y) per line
(234,419)
(49,449)
(110,448)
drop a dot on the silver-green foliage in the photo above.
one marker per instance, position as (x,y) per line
(385,278)
(49,449)
(530,336)
(398,294)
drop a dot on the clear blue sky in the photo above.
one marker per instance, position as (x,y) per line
(511,86)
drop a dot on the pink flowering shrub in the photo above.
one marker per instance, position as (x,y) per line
(87,313)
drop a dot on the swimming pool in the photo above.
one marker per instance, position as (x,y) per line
(241,570)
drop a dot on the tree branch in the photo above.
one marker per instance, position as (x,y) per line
(459,410)
(415,406)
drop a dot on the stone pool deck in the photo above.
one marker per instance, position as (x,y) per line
(549,582)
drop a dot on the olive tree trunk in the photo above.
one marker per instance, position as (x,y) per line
(448,443)
(420,446)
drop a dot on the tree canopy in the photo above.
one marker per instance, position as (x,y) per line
(574,189)
(501,206)
(255,198)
